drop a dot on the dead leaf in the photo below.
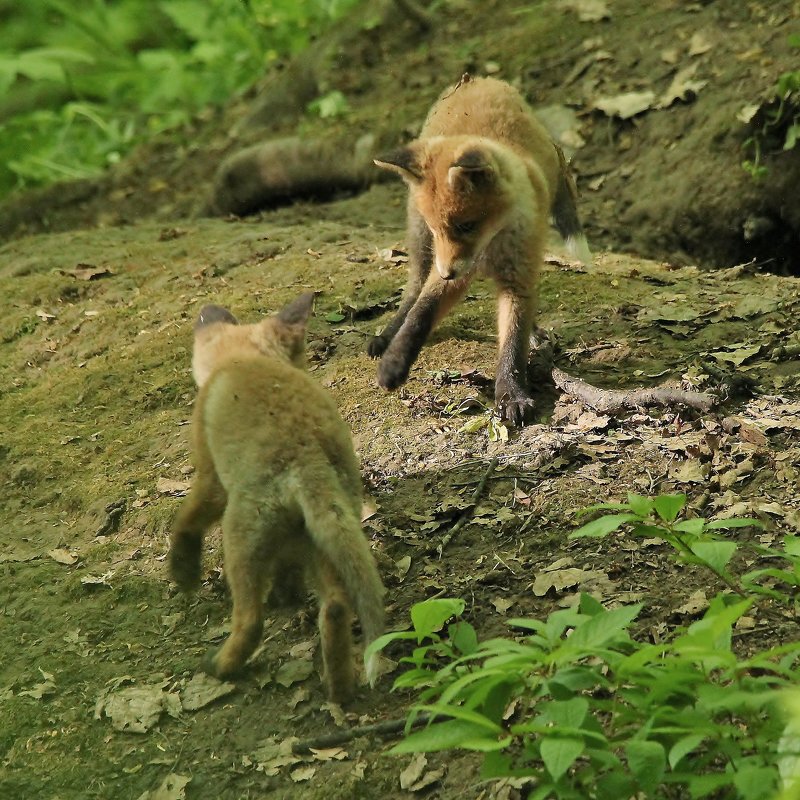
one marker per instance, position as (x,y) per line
(625,105)
(63,556)
(402,566)
(302,774)
(302,649)
(47,686)
(502,605)
(587,10)
(558,579)
(300,696)
(413,772)
(88,272)
(682,87)
(699,44)
(42,314)
(98,580)
(173,787)
(171,487)
(294,671)
(136,709)
(694,606)
(330,754)
(202,690)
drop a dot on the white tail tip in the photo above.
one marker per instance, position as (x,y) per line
(373,669)
(579,247)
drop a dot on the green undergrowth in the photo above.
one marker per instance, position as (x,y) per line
(85,82)
(585,704)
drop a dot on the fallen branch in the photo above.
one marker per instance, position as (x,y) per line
(612,401)
(388,728)
(467,513)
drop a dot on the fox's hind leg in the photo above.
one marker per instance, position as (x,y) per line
(335,632)
(420,258)
(203,506)
(245,573)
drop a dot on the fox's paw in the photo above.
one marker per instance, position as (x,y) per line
(184,567)
(377,346)
(392,373)
(516,409)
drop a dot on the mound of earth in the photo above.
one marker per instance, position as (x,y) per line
(649,100)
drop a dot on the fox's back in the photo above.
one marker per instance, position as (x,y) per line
(493,109)
(264,419)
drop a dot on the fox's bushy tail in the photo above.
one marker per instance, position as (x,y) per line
(336,529)
(565,213)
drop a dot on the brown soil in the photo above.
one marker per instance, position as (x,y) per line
(95,394)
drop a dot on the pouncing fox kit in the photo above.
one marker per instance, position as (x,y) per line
(484,177)
(275,461)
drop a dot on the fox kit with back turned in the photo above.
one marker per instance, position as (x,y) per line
(483,178)
(275,461)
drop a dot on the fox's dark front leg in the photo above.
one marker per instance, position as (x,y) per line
(515,315)
(435,300)
(420,243)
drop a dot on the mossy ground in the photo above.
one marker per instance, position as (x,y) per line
(96,394)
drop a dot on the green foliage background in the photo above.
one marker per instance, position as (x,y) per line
(81,83)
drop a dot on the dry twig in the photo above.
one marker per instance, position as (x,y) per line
(387,728)
(467,513)
(612,401)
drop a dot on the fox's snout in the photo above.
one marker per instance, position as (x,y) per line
(450,270)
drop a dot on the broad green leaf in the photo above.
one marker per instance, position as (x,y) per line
(693,526)
(647,762)
(715,554)
(463,637)
(791,544)
(567,713)
(439,736)
(754,782)
(589,605)
(465,715)
(704,785)
(668,506)
(387,638)
(614,786)
(559,754)
(602,526)
(683,747)
(334,316)
(600,630)
(741,522)
(639,504)
(430,616)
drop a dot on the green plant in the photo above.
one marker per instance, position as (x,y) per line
(585,710)
(585,707)
(776,121)
(697,541)
(82,83)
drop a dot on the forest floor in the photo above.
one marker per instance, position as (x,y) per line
(95,399)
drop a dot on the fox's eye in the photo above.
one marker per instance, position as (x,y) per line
(464,228)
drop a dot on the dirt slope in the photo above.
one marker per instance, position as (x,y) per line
(96,393)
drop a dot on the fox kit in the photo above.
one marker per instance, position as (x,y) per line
(275,461)
(483,179)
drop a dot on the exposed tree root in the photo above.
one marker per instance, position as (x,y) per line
(387,728)
(612,401)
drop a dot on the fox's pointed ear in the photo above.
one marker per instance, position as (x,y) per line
(298,311)
(211,314)
(403,161)
(474,165)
